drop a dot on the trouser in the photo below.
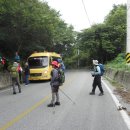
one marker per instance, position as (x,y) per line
(20,76)
(26,79)
(55,93)
(15,81)
(5,67)
(97,82)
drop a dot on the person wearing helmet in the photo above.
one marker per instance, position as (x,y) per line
(97,79)
(54,85)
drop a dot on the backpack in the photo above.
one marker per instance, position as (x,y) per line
(14,72)
(62,66)
(61,76)
(102,69)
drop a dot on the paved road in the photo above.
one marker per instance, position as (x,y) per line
(28,110)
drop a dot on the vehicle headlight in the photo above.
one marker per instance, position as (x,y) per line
(45,72)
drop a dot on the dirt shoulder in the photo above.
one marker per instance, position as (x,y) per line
(125,95)
(122,94)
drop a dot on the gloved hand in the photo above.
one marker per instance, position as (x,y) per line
(93,74)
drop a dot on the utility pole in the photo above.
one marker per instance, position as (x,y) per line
(78,58)
(128,34)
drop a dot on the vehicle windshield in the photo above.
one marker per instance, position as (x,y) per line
(38,62)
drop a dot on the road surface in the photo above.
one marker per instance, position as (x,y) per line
(78,110)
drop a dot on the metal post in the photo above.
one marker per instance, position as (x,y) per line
(78,57)
(128,34)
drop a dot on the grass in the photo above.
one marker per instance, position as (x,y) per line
(119,63)
(115,84)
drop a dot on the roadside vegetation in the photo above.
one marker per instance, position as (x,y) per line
(119,63)
(30,25)
(104,41)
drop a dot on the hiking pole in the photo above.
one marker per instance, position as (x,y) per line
(67,96)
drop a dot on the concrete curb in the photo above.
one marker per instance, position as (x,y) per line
(121,77)
(5,80)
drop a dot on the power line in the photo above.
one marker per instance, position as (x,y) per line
(86,12)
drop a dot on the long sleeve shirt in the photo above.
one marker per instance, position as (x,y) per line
(53,77)
(96,71)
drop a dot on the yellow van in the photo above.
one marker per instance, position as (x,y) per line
(40,65)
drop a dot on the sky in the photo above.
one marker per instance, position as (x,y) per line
(83,13)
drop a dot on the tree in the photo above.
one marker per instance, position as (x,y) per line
(105,41)
(30,25)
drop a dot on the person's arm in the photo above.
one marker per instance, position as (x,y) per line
(54,75)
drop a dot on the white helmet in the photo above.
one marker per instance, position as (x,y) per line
(95,62)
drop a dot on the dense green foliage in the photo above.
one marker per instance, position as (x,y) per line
(28,25)
(104,41)
(119,63)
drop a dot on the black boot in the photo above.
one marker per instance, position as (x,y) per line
(101,94)
(57,103)
(92,93)
(14,92)
(51,105)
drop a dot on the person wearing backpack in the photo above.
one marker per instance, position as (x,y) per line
(97,79)
(55,83)
(15,77)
